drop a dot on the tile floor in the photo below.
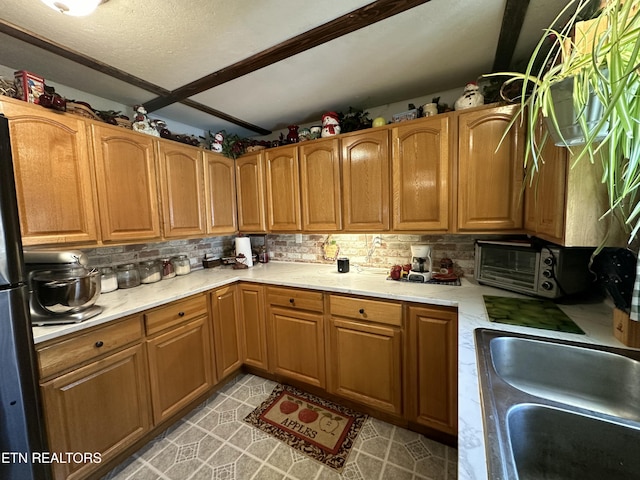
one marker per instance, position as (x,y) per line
(213,442)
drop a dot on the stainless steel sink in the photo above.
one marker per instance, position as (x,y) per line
(549,443)
(583,377)
(557,409)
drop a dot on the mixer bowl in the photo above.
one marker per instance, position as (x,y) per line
(65,291)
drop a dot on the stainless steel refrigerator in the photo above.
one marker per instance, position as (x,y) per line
(21,424)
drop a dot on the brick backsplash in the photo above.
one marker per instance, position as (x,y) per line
(359,248)
(195,249)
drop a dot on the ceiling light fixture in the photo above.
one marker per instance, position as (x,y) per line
(74,8)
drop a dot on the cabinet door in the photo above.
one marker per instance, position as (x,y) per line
(545,195)
(489,178)
(127,184)
(296,345)
(180,367)
(220,194)
(181,185)
(53,175)
(421,175)
(283,189)
(320,185)
(250,193)
(254,325)
(227,332)
(102,407)
(365,173)
(432,373)
(366,364)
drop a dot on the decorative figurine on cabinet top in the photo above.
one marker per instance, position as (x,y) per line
(292,136)
(470,98)
(330,124)
(216,143)
(141,122)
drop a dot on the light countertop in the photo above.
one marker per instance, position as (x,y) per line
(595,319)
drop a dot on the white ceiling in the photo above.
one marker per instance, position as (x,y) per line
(436,46)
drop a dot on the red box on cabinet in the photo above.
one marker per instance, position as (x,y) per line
(29,86)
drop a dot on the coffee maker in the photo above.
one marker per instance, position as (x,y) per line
(421,264)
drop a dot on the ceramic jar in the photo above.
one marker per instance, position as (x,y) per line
(430,109)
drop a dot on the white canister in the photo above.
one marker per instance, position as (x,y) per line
(430,109)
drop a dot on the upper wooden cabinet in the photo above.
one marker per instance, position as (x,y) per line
(420,166)
(365,173)
(565,203)
(283,189)
(126,184)
(182,189)
(489,177)
(53,175)
(320,185)
(220,194)
(250,193)
(545,195)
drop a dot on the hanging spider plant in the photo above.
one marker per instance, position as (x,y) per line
(604,84)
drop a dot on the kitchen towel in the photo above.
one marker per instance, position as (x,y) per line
(243,246)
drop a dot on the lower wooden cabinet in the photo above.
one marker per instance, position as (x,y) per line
(105,388)
(252,315)
(365,356)
(227,331)
(180,357)
(101,407)
(295,330)
(431,383)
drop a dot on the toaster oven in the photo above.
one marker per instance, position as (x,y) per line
(548,271)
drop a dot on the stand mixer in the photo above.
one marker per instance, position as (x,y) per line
(421,264)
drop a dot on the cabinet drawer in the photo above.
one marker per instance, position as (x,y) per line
(369,310)
(175,313)
(85,347)
(299,299)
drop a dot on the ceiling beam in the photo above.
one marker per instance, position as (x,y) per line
(512,21)
(57,49)
(64,52)
(348,23)
(225,116)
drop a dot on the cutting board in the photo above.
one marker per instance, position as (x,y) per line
(529,312)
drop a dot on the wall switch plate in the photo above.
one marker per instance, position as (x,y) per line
(298,238)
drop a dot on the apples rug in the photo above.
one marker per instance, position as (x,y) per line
(323,430)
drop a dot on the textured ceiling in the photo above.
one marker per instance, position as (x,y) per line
(436,46)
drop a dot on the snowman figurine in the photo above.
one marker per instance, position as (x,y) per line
(330,124)
(470,98)
(216,143)
(141,122)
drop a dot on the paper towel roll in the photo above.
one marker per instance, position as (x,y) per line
(243,245)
